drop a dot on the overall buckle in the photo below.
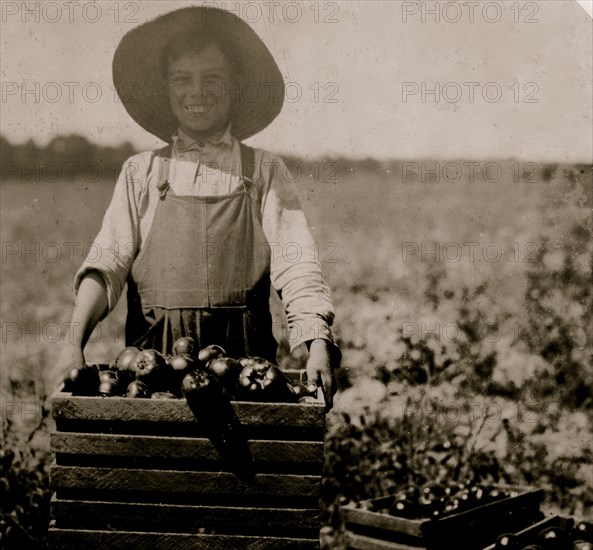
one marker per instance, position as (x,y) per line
(163,188)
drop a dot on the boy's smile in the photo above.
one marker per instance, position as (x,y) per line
(199,84)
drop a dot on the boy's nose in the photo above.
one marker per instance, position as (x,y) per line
(196,90)
(201,91)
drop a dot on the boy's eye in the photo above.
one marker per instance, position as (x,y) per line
(178,80)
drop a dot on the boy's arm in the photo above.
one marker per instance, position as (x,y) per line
(90,307)
(115,246)
(296,273)
(101,278)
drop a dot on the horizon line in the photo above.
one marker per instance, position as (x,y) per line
(329,154)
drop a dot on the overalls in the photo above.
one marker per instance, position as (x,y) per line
(204,271)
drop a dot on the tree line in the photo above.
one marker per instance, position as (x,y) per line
(64,157)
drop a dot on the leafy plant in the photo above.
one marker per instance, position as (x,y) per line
(559,299)
(24,487)
(405,440)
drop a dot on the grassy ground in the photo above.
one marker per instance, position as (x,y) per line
(394,300)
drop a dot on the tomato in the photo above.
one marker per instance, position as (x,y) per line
(109,387)
(163,395)
(138,390)
(302,390)
(211,352)
(125,359)
(107,375)
(184,346)
(260,380)
(506,540)
(124,364)
(403,508)
(82,381)
(583,531)
(181,366)
(227,370)
(308,400)
(553,537)
(249,387)
(152,369)
(198,382)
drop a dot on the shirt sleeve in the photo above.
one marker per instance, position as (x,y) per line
(295,270)
(114,248)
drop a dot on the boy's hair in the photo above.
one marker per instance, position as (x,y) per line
(193,42)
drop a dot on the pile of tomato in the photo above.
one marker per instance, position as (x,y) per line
(438,500)
(574,536)
(147,373)
(434,500)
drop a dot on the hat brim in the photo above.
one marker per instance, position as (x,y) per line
(256,100)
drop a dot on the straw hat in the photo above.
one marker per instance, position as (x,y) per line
(137,72)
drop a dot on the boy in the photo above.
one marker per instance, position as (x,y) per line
(191,226)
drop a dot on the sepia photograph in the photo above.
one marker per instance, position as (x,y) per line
(296,275)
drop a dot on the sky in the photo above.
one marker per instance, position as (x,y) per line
(368,78)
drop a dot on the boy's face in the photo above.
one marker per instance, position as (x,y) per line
(199,85)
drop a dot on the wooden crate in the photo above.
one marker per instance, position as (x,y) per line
(472,529)
(528,535)
(139,473)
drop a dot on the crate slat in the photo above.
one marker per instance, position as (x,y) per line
(360,542)
(121,409)
(66,539)
(141,517)
(383,522)
(304,452)
(174,481)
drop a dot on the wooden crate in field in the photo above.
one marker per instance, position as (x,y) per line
(138,473)
(468,530)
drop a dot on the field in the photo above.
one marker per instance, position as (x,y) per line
(450,297)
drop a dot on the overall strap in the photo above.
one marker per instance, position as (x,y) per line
(164,163)
(247,164)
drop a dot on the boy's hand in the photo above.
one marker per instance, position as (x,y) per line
(320,368)
(71,357)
